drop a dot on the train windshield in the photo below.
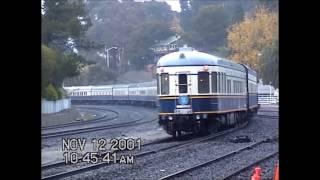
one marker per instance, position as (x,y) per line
(183,83)
(164,83)
(203,82)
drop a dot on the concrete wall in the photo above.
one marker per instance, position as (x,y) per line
(48,107)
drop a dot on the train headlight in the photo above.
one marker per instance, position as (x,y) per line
(205,68)
(205,116)
(170,118)
(198,116)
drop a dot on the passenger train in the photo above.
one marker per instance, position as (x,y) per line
(199,92)
(140,93)
(194,91)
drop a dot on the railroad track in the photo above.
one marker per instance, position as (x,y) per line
(97,128)
(99,119)
(267,111)
(62,163)
(210,161)
(233,174)
(145,153)
(267,116)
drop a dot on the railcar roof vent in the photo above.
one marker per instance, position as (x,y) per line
(182,56)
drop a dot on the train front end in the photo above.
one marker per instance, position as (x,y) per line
(181,77)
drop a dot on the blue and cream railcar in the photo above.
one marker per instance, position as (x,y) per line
(143,94)
(101,93)
(252,90)
(120,93)
(198,92)
(79,93)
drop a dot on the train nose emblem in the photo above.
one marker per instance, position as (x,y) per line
(183,100)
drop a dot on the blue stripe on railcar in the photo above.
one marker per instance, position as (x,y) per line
(143,98)
(123,97)
(167,105)
(105,97)
(206,104)
(253,99)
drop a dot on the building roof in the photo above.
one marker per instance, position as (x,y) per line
(168,41)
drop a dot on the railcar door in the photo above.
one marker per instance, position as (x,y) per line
(183,103)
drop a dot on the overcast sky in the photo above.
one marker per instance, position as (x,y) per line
(175,5)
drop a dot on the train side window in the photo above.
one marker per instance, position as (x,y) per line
(237,87)
(224,83)
(229,86)
(221,82)
(203,82)
(158,88)
(214,82)
(241,88)
(164,83)
(183,83)
(218,82)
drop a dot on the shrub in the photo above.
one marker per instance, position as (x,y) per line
(51,93)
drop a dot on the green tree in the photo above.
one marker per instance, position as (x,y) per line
(135,33)
(50,93)
(247,39)
(48,64)
(209,27)
(68,65)
(270,64)
(185,14)
(272,5)
(142,39)
(205,22)
(97,75)
(63,19)
(55,67)
(237,10)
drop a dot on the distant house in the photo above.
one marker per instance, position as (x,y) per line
(171,44)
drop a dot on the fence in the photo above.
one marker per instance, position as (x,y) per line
(55,106)
(267,99)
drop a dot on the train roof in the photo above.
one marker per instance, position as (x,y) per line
(195,58)
(143,84)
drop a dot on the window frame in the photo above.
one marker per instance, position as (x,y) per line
(185,85)
(204,87)
(158,84)
(214,79)
(229,86)
(218,82)
(166,86)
